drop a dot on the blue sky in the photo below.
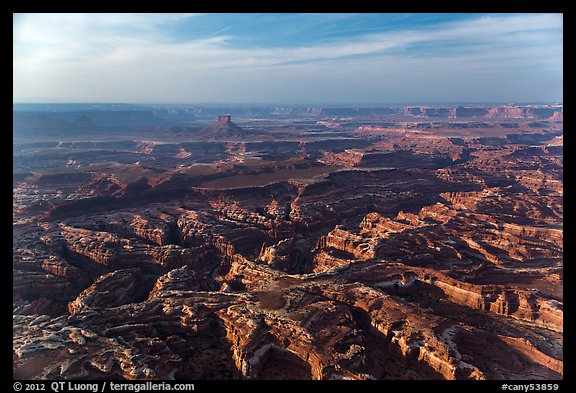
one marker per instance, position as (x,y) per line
(287,58)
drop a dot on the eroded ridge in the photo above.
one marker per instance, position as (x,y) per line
(375,252)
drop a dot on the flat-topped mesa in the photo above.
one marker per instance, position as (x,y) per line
(224,119)
(223,128)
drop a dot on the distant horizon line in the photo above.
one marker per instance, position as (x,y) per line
(371,104)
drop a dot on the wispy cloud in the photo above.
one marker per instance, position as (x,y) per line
(134,57)
(222,30)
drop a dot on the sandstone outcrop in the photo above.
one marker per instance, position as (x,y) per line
(110,290)
(370,243)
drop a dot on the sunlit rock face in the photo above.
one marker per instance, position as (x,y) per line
(376,245)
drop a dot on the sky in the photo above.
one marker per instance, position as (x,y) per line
(287,58)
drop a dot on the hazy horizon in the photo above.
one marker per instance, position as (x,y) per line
(287,59)
(240,104)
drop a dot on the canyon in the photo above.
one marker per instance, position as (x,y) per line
(393,243)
